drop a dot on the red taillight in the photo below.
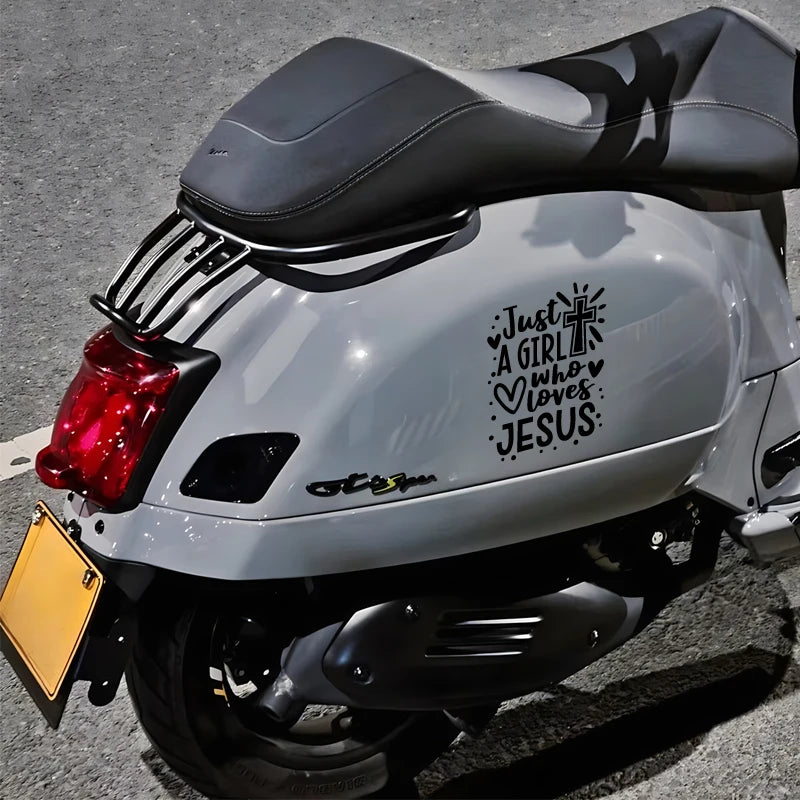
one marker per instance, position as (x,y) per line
(105,420)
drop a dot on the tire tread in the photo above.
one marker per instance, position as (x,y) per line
(155,683)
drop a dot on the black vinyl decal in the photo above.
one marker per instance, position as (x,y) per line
(360,481)
(545,371)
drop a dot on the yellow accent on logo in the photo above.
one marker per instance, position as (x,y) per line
(391,483)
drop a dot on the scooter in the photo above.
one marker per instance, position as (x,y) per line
(437,386)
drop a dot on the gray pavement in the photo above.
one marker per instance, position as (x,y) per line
(102,105)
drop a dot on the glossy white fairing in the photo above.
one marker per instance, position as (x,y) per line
(435,526)
(676,309)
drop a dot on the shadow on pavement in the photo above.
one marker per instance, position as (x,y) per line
(594,743)
(169,781)
(639,744)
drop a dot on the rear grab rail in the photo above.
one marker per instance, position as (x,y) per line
(215,254)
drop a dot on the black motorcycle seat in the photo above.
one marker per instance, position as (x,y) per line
(352,135)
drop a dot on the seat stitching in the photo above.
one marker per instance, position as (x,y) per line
(593,126)
(389,152)
(324,122)
(363,172)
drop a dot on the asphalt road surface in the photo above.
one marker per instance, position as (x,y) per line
(102,105)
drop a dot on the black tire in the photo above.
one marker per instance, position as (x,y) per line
(196,732)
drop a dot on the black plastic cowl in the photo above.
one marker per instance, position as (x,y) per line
(780,460)
(239,469)
(196,368)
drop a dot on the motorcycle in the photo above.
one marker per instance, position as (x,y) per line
(436,387)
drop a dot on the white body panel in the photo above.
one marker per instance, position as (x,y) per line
(402,374)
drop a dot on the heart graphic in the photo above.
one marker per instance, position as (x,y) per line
(493,341)
(595,367)
(510,400)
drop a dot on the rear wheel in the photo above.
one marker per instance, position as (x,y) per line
(193,678)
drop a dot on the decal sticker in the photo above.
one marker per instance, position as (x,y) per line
(360,481)
(545,373)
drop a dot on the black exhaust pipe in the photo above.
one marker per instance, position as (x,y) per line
(449,652)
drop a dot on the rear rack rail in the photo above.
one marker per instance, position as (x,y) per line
(208,255)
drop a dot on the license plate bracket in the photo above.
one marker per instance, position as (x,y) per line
(45,612)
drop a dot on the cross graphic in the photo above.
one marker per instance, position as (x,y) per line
(578,319)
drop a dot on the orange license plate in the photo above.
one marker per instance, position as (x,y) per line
(46,606)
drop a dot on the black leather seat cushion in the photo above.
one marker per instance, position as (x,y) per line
(352,135)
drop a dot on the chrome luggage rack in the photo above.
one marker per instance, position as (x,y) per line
(206,255)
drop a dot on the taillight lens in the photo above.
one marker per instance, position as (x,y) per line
(105,420)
